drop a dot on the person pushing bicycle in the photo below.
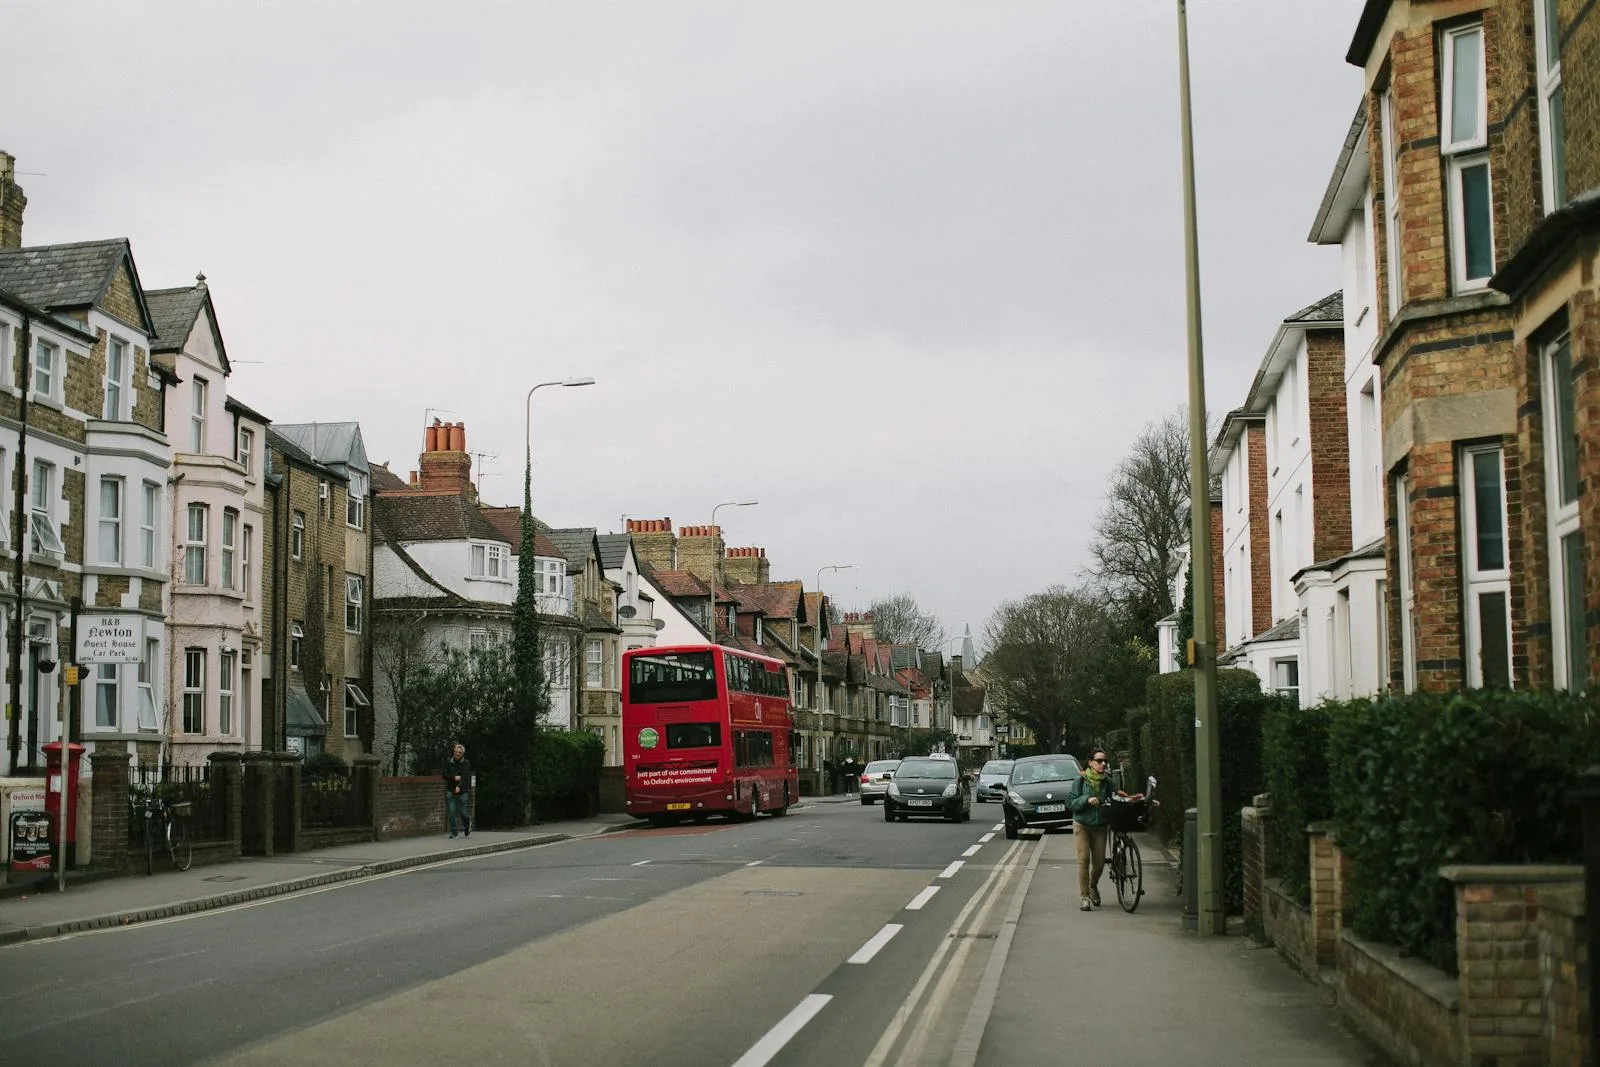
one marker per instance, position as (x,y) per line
(1088,800)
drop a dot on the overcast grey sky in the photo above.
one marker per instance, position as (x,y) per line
(910,273)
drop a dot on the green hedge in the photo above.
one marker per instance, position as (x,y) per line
(566,774)
(1425,780)
(1170,754)
(1294,745)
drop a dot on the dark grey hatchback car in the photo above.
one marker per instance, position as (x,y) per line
(928,786)
(1036,796)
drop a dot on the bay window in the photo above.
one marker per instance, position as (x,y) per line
(1487,588)
(1567,585)
(1552,109)
(194,545)
(1464,144)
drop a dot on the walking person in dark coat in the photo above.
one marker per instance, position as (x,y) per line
(457,775)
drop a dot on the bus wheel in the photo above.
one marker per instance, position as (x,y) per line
(778,812)
(755,803)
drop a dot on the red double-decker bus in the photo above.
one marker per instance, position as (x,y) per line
(706,730)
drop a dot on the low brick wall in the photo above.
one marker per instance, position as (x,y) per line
(612,796)
(1253,823)
(334,836)
(410,807)
(1288,926)
(1563,967)
(1411,1010)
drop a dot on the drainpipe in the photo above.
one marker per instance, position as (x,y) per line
(19,536)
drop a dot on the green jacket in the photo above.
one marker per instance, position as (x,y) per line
(1083,812)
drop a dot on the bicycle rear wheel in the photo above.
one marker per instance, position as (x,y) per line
(182,847)
(149,845)
(1131,888)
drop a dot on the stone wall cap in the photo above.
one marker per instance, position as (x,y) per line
(1323,826)
(1262,800)
(109,755)
(225,757)
(1503,873)
(1424,977)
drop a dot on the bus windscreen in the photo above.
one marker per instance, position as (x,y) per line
(672,678)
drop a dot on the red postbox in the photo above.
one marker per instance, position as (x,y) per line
(53,786)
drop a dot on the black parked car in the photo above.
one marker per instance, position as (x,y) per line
(928,785)
(1036,796)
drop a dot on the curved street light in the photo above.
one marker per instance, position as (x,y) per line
(716,571)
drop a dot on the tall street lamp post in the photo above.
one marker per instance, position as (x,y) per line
(1211,908)
(527,439)
(716,569)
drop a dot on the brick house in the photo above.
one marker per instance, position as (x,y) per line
(74,322)
(212,674)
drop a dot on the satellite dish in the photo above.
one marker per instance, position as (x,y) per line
(627,611)
(661,624)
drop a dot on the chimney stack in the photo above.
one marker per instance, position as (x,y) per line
(699,550)
(12,203)
(748,566)
(654,544)
(446,467)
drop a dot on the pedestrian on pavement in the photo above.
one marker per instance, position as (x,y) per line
(851,775)
(1087,800)
(457,776)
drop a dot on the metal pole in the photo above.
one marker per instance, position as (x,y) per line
(1207,743)
(19,532)
(716,566)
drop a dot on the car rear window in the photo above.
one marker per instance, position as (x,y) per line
(926,768)
(996,766)
(879,766)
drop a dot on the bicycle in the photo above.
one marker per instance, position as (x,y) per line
(172,834)
(1127,815)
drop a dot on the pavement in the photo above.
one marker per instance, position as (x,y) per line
(1142,989)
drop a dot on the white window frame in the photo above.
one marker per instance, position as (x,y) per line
(297,634)
(1562,517)
(352,711)
(7,351)
(1393,265)
(194,691)
(105,696)
(594,664)
(1407,592)
(5,479)
(110,522)
(354,593)
(478,641)
(227,662)
(1479,579)
(1463,154)
(230,544)
(194,547)
(150,502)
(199,395)
(355,501)
(52,375)
(245,453)
(45,540)
(1552,105)
(297,535)
(147,718)
(246,550)
(117,378)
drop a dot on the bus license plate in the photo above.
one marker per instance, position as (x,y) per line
(677,807)
(920,803)
(1046,809)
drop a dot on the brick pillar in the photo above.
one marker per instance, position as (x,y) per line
(109,775)
(1327,892)
(255,828)
(288,777)
(366,771)
(1497,947)
(1254,824)
(227,770)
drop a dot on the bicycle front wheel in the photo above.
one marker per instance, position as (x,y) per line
(182,847)
(1131,888)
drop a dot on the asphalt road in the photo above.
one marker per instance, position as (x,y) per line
(689,946)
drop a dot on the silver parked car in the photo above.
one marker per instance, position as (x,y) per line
(992,780)
(875,779)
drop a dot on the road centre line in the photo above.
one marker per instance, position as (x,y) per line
(950,871)
(875,943)
(973,851)
(641,863)
(998,827)
(922,898)
(902,1015)
(986,838)
(757,863)
(773,1040)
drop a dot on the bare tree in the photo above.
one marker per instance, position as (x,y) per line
(405,662)
(1145,521)
(1060,661)
(899,620)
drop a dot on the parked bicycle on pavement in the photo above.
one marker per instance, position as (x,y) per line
(166,826)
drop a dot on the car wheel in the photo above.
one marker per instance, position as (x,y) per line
(1011,829)
(888,813)
(866,802)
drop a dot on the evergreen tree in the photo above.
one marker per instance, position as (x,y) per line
(530,692)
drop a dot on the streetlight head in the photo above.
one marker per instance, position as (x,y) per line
(746,503)
(571,382)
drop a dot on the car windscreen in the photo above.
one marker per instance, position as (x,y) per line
(1044,771)
(997,766)
(672,677)
(926,768)
(882,765)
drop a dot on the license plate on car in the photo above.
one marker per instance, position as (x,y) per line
(1046,809)
(920,803)
(677,807)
